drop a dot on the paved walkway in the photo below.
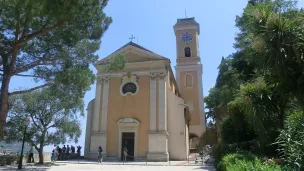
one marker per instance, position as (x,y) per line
(112,167)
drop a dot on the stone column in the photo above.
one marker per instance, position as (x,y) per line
(162,103)
(96,112)
(88,129)
(105,100)
(104,115)
(153,102)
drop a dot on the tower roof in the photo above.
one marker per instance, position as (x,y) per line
(187,23)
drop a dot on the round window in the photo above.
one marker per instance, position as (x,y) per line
(129,88)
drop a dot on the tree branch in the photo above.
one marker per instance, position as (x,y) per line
(29,90)
(31,65)
(42,32)
(25,75)
(32,116)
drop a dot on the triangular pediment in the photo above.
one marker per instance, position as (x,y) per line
(133,52)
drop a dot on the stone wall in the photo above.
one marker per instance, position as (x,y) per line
(46,157)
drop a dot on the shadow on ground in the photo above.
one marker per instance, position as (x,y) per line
(33,167)
(209,168)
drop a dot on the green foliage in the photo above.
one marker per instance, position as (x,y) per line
(235,129)
(8,159)
(233,71)
(246,162)
(50,41)
(272,35)
(113,64)
(291,140)
(54,119)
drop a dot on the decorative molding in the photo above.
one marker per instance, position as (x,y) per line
(99,133)
(153,75)
(158,133)
(162,75)
(129,78)
(106,79)
(138,73)
(127,125)
(128,121)
(99,79)
(185,79)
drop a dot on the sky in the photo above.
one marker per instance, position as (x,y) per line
(151,22)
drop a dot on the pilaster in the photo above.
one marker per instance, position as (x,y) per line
(153,101)
(162,103)
(158,139)
(88,128)
(96,112)
(104,112)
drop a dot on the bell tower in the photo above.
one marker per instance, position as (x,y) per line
(189,72)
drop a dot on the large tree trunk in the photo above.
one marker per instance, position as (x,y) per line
(41,154)
(4,101)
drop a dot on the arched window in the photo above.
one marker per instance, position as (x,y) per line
(189,80)
(187,52)
(129,88)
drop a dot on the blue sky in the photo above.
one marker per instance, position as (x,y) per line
(151,22)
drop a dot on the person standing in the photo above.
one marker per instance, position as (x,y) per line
(53,156)
(99,154)
(63,152)
(125,153)
(31,155)
(55,153)
(68,150)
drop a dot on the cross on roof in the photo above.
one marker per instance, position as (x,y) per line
(131,38)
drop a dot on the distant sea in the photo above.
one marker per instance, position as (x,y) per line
(14,147)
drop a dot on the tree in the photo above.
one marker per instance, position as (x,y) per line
(45,39)
(291,140)
(54,118)
(272,36)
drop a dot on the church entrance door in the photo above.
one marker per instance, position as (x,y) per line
(128,142)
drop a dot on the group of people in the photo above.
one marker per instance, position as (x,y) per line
(62,153)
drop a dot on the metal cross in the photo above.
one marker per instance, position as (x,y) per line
(131,38)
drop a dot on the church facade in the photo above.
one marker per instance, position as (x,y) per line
(144,108)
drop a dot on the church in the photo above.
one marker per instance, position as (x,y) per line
(144,108)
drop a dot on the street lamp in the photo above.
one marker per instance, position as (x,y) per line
(26,123)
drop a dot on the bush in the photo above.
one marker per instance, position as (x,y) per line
(8,159)
(291,141)
(235,129)
(220,150)
(246,162)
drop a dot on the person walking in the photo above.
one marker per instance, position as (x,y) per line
(31,155)
(53,156)
(99,154)
(125,153)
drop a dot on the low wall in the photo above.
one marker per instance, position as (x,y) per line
(46,157)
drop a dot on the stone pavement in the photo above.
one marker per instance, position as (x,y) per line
(114,166)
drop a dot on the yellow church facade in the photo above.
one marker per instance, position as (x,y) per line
(144,108)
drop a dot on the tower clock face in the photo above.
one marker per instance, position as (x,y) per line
(187,37)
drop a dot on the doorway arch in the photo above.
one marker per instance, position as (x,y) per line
(194,141)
